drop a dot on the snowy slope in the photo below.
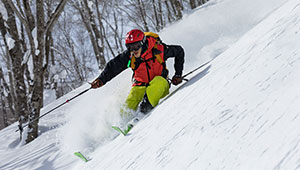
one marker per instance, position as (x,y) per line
(240,112)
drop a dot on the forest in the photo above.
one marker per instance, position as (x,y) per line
(57,45)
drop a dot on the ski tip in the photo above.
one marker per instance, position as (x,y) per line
(81,156)
(119,130)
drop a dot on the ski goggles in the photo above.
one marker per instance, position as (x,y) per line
(134,46)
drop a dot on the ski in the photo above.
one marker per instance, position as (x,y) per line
(124,132)
(81,156)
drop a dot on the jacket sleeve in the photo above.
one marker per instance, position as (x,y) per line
(115,67)
(177,52)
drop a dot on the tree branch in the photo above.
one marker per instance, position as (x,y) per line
(25,23)
(55,16)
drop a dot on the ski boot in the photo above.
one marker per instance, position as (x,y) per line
(146,106)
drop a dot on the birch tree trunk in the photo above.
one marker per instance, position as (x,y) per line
(43,37)
(143,14)
(177,7)
(38,58)
(95,35)
(170,18)
(16,56)
(157,23)
(2,96)
(193,4)
(98,36)
(43,31)
(160,14)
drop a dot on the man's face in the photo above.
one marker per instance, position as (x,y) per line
(135,48)
(137,53)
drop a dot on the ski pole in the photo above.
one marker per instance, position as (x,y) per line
(68,100)
(183,77)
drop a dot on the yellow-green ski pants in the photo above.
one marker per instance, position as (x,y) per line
(157,89)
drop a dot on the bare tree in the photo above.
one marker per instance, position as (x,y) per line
(193,4)
(15,54)
(74,56)
(177,8)
(96,35)
(201,2)
(160,15)
(2,96)
(43,31)
(5,81)
(169,14)
(157,21)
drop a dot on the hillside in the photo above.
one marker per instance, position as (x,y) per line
(240,112)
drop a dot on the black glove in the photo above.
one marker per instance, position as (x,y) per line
(96,83)
(177,79)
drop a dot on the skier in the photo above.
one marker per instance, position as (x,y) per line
(146,55)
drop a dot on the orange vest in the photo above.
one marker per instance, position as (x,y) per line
(150,66)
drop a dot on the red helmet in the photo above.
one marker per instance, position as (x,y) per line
(135,35)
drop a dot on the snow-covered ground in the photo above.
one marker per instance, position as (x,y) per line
(240,112)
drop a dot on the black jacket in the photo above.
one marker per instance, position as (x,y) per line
(119,63)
